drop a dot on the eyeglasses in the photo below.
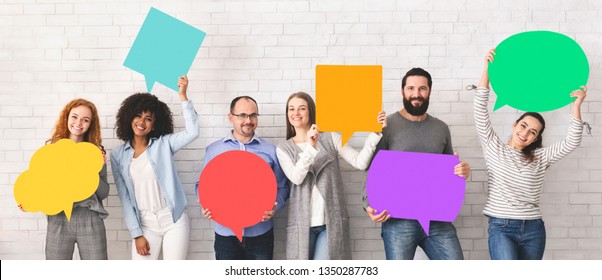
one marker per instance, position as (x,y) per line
(243,116)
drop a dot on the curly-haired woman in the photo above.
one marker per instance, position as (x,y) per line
(151,194)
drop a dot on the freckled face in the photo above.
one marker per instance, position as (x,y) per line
(79,121)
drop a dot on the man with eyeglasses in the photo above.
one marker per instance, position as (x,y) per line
(258,240)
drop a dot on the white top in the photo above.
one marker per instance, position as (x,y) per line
(146,188)
(296,172)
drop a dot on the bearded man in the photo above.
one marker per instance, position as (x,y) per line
(411,129)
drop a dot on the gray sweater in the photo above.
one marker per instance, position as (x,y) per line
(94,202)
(430,135)
(326,175)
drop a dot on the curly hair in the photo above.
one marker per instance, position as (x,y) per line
(139,103)
(61,131)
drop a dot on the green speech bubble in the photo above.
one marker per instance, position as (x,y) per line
(536,71)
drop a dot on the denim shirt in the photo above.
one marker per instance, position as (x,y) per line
(160,153)
(265,150)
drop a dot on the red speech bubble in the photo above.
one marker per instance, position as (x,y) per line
(238,187)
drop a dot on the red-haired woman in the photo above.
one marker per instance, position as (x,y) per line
(79,122)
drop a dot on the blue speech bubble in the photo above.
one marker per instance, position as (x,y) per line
(164,49)
(417,186)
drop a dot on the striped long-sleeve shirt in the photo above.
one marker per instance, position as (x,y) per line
(515,185)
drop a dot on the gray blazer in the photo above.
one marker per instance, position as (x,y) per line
(325,173)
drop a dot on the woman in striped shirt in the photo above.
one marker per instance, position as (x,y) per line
(516,174)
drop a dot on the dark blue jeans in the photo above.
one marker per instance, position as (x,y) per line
(259,247)
(402,236)
(511,239)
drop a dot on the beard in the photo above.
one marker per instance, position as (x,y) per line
(247,129)
(416,110)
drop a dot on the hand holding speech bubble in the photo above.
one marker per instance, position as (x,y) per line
(348,98)
(537,71)
(238,187)
(59,174)
(164,49)
(416,186)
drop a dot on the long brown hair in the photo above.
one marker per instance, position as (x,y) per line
(61,130)
(529,151)
(311,106)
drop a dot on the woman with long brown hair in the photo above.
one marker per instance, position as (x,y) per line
(318,224)
(516,172)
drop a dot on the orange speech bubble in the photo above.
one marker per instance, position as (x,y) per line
(348,98)
(238,187)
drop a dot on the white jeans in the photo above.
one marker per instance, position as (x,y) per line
(162,233)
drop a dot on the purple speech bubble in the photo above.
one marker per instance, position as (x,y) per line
(416,186)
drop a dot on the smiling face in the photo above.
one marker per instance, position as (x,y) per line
(416,93)
(298,112)
(79,122)
(143,124)
(244,119)
(525,132)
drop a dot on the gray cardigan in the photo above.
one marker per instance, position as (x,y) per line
(94,202)
(326,175)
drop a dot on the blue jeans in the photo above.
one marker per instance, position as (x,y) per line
(318,243)
(402,236)
(259,247)
(511,239)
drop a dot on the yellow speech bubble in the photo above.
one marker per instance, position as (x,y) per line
(348,98)
(59,174)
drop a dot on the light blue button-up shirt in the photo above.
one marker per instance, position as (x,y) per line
(160,153)
(265,150)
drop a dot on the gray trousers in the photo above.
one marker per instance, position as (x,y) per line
(86,229)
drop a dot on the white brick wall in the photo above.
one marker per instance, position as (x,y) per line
(56,50)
